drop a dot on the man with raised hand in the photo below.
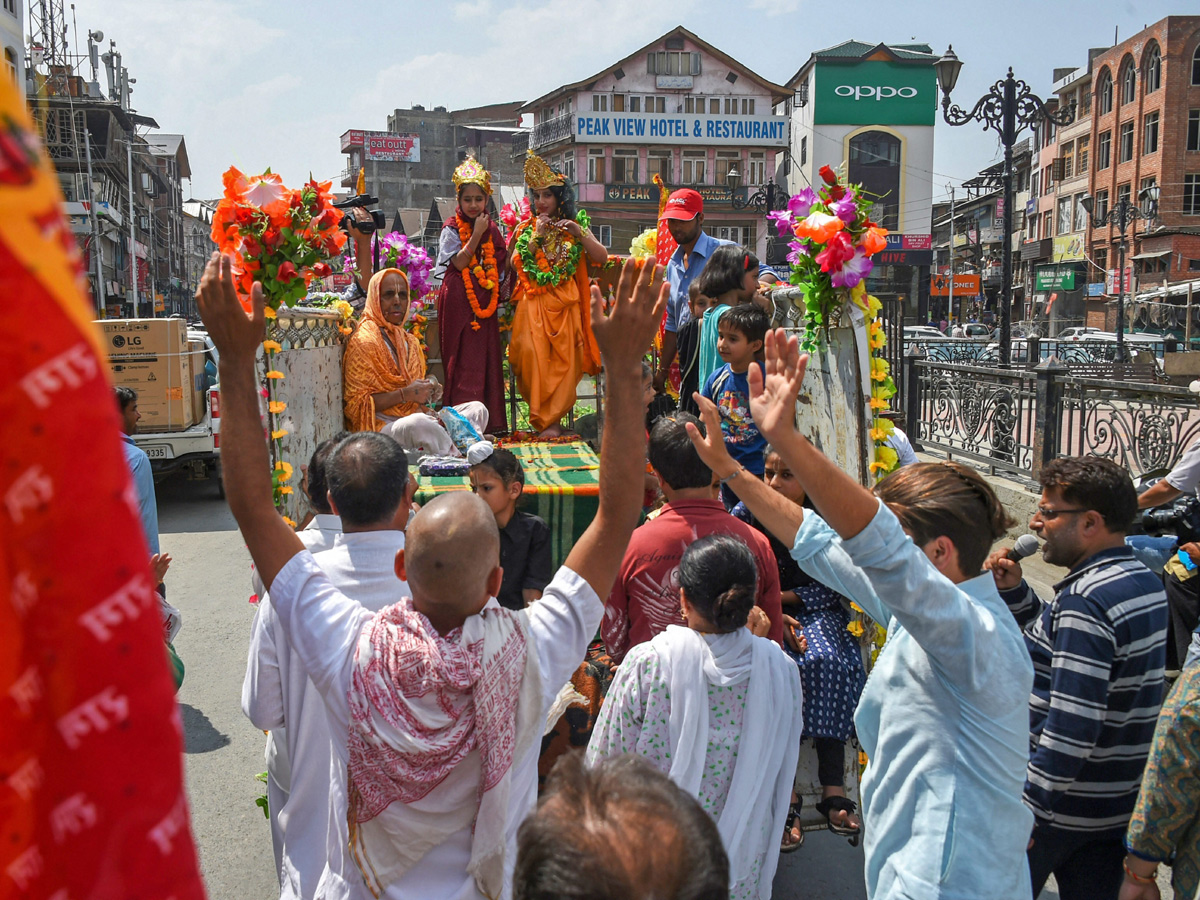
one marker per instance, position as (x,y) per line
(437,704)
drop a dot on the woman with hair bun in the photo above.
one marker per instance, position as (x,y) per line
(716,708)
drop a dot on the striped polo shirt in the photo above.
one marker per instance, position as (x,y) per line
(1098,653)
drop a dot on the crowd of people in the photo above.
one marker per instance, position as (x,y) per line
(407,663)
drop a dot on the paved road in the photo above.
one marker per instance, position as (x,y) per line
(209,582)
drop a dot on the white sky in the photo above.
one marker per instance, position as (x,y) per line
(256,83)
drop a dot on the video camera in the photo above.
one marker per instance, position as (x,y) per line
(1181,518)
(363,201)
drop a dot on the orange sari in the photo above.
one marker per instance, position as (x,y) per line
(380,357)
(552,343)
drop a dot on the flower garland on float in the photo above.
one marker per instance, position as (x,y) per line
(833,242)
(537,273)
(280,238)
(485,272)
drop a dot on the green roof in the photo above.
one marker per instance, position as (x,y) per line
(858,49)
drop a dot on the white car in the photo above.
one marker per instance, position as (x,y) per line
(1081,333)
(923,333)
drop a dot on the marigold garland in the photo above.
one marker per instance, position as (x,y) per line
(536,273)
(485,272)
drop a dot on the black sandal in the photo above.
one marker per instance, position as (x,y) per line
(792,817)
(844,804)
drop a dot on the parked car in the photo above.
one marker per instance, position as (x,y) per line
(978,332)
(1078,333)
(923,333)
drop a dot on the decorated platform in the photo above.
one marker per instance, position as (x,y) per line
(562,487)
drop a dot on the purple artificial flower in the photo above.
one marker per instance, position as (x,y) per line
(797,250)
(801,203)
(845,209)
(783,221)
(852,271)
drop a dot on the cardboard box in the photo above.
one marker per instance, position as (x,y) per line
(196,362)
(152,357)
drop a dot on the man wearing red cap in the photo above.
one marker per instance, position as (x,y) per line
(684,215)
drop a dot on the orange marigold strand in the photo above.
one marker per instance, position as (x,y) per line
(490,273)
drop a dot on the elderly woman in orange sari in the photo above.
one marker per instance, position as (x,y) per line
(552,343)
(386,388)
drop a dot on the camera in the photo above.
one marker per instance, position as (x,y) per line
(1181,518)
(378,220)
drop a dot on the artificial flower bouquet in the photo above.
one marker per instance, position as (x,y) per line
(397,252)
(278,237)
(834,239)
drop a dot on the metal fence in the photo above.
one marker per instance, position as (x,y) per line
(1017,420)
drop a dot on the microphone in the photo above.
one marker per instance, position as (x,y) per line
(1026,545)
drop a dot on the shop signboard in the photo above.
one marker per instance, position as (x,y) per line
(964,286)
(874,92)
(1095,289)
(384,146)
(1068,248)
(680,128)
(1110,281)
(1055,278)
(648,193)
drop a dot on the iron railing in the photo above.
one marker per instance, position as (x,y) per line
(557,129)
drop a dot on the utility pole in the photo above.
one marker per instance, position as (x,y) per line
(950,302)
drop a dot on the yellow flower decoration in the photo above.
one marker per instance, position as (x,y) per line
(272,346)
(285,490)
(856,629)
(275,407)
(290,523)
(854,606)
(857,293)
(880,369)
(284,469)
(882,430)
(269,313)
(886,459)
(274,374)
(877,402)
(276,435)
(877,339)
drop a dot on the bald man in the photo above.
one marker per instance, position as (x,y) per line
(437,704)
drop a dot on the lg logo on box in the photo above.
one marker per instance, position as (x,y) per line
(879,92)
(120,341)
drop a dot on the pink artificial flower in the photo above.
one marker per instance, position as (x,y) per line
(783,221)
(801,203)
(839,250)
(845,209)
(853,271)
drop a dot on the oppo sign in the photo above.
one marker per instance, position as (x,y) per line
(877,92)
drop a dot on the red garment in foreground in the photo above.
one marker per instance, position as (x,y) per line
(91,770)
(645,598)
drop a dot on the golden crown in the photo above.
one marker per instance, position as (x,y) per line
(538,174)
(470,171)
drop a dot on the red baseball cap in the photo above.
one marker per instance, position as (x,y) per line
(684,204)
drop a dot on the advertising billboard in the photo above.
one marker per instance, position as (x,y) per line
(641,128)
(383,146)
(878,92)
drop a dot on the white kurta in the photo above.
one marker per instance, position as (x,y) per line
(323,626)
(277,696)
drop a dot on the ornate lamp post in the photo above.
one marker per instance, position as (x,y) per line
(767,198)
(1122,216)
(1007,108)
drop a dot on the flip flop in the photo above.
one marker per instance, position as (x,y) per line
(833,804)
(792,816)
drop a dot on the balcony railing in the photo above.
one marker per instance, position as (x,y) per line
(554,130)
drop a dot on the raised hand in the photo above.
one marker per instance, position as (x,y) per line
(711,444)
(235,332)
(773,394)
(159,563)
(624,333)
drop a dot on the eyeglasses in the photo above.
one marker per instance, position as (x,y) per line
(1049,515)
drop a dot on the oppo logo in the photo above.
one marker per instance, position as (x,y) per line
(879,92)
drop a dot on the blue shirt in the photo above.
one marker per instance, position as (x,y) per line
(143,480)
(944,719)
(1098,653)
(680,278)
(731,393)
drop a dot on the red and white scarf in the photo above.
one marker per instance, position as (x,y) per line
(436,723)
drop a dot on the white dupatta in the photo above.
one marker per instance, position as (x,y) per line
(759,794)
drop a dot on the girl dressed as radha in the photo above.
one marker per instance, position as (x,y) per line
(472,260)
(552,343)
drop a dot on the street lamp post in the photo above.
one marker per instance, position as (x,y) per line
(1122,216)
(767,198)
(1007,108)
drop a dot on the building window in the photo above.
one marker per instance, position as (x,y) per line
(618,103)
(739,234)
(673,62)
(635,104)
(726,160)
(596,166)
(10,6)
(694,105)
(1068,157)
(656,104)
(694,167)
(1081,154)
(731,106)
(1196,68)
(1191,195)
(1128,84)
(1150,133)
(804,150)
(1085,103)
(1048,180)
(1080,223)
(1144,185)
(1152,74)
(599,102)
(1104,151)
(1122,194)
(714,106)
(756,170)
(625,167)
(1047,224)
(1193,131)
(658,162)
(568,166)
(1064,215)
(602,233)
(10,59)
(1125,143)
(874,163)
(1101,206)
(747,106)
(1104,93)
(1035,184)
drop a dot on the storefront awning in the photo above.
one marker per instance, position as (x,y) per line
(1153,254)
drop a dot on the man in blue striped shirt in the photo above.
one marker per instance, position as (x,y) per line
(1098,653)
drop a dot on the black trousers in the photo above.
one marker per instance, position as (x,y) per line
(831,761)
(1183,605)
(1085,865)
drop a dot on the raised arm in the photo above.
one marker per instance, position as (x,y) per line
(624,336)
(244,459)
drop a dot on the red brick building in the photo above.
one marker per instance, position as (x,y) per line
(1146,131)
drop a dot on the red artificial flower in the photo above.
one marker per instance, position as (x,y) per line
(287,273)
(839,250)
(828,175)
(837,192)
(272,238)
(251,246)
(874,239)
(322,269)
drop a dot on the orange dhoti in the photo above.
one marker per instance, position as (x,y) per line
(552,346)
